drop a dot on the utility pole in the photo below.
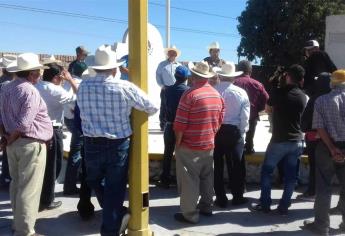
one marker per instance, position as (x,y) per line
(167,23)
(139,163)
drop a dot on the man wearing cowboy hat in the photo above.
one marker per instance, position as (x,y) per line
(5,78)
(214,60)
(165,76)
(287,104)
(105,107)
(328,120)
(229,139)
(198,118)
(317,61)
(25,124)
(80,60)
(4,62)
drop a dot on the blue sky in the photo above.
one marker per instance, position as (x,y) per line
(24,31)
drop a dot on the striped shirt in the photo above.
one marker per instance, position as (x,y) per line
(106,103)
(23,109)
(199,116)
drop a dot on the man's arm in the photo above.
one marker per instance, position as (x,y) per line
(159,78)
(244,115)
(262,99)
(178,138)
(182,117)
(139,100)
(66,76)
(336,153)
(29,109)
(319,125)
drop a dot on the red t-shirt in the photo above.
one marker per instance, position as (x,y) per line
(199,116)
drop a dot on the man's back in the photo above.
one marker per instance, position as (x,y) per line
(105,105)
(329,113)
(173,95)
(199,115)
(236,105)
(315,64)
(23,109)
(256,93)
(288,104)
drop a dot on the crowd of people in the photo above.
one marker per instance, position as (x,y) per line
(208,114)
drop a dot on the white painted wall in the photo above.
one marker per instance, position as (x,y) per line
(335,39)
(155,56)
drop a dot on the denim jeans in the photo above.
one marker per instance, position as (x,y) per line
(169,147)
(290,152)
(74,157)
(106,163)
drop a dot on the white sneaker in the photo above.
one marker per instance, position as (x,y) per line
(124,223)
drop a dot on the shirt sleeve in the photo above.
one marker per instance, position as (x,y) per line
(140,101)
(244,115)
(263,99)
(159,76)
(29,109)
(64,96)
(182,113)
(317,116)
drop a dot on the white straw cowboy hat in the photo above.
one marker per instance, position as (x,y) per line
(6,60)
(173,48)
(49,60)
(201,69)
(229,70)
(104,59)
(25,62)
(213,45)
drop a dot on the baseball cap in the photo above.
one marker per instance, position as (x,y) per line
(182,72)
(81,49)
(311,43)
(78,68)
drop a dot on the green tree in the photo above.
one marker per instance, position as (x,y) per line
(276,30)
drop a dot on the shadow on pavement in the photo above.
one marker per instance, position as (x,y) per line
(69,224)
(163,216)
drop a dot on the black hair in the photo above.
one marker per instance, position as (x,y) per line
(23,74)
(51,72)
(245,66)
(296,73)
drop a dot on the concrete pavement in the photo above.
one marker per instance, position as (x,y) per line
(163,204)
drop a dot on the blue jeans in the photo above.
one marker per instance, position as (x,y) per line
(106,163)
(74,157)
(289,152)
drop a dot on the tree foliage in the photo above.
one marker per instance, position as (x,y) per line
(276,30)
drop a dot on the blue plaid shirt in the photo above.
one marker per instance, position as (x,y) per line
(329,114)
(106,103)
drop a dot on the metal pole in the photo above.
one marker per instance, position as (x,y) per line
(138,167)
(167,23)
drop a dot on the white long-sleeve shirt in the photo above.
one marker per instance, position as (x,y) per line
(237,105)
(165,73)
